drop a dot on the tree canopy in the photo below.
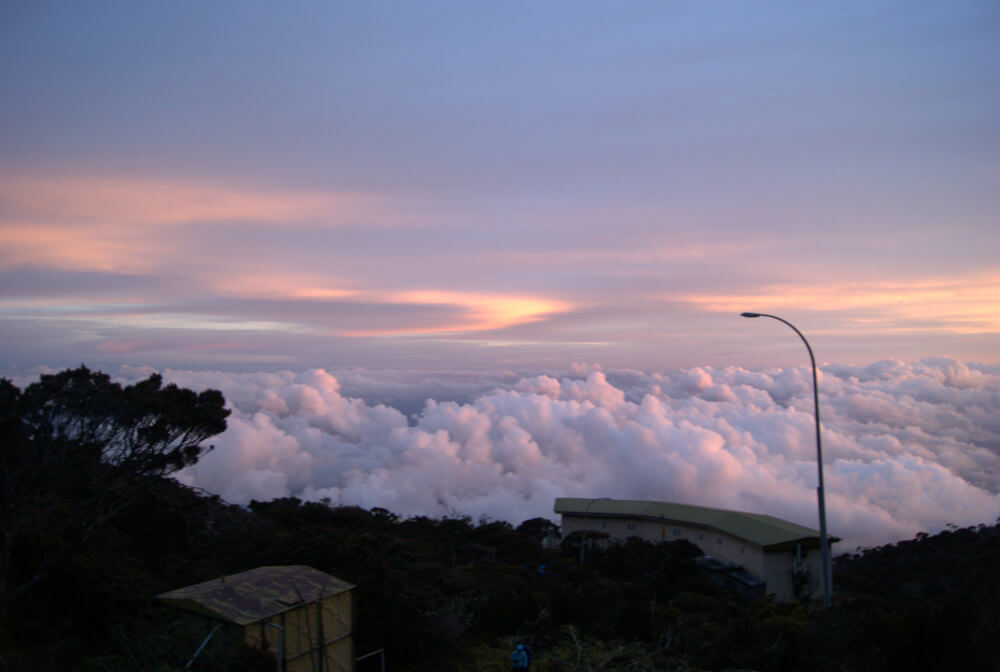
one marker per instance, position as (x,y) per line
(76,447)
(434,594)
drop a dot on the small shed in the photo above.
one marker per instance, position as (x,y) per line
(301,614)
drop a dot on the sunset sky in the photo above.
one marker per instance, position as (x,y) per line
(473,185)
(470,256)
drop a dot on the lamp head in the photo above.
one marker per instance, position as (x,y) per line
(749,314)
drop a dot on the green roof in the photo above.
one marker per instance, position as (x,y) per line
(758,528)
(256,594)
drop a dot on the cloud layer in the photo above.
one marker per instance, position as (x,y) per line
(908,447)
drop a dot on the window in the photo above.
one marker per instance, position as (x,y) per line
(718,540)
(604,524)
(742,548)
(677,532)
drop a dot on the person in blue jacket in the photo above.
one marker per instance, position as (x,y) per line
(519,659)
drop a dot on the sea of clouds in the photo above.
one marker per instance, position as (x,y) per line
(907,447)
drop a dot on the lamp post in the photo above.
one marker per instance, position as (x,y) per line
(824,544)
(586,515)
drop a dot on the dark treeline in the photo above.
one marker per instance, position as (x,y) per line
(93,527)
(453,595)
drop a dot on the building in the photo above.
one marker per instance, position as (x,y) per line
(784,556)
(301,614)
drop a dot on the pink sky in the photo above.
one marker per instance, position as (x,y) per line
(504,187)
(528,229)
(163,271)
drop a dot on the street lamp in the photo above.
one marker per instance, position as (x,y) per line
(824,544)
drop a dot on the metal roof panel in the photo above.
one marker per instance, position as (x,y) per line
(256,594)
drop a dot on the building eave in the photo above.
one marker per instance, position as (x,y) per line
(766,532)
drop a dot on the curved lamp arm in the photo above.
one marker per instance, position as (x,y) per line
(824,544)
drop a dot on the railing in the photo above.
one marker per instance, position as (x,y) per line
(377,652)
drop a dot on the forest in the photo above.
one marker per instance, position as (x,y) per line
(94,527)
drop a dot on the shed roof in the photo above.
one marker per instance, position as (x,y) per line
(256,594)
(758,528)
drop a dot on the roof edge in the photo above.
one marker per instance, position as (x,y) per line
(642,512)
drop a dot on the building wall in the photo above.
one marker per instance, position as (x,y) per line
(313,631)
(778,567)
(775,567)
(338,627)
(725,547)
(778,574)
(719,545)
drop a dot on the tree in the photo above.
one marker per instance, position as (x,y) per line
(539,529)
(75,448)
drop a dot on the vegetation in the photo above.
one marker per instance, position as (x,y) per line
(453,594)
(77,448)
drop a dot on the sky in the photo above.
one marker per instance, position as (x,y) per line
(438,201)
(472,185)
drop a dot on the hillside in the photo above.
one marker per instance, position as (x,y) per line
(458,594)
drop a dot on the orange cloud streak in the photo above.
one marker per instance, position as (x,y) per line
(968,305)
(149,202)
(276,283)
(122,224)
(484,312)
(481,312)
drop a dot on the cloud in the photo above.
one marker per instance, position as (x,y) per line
(966,304)
(125,224)
(908,447)
(90,260)
(160,202)
(484,311)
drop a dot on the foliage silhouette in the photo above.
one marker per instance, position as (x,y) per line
(452,594)
(77,448)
